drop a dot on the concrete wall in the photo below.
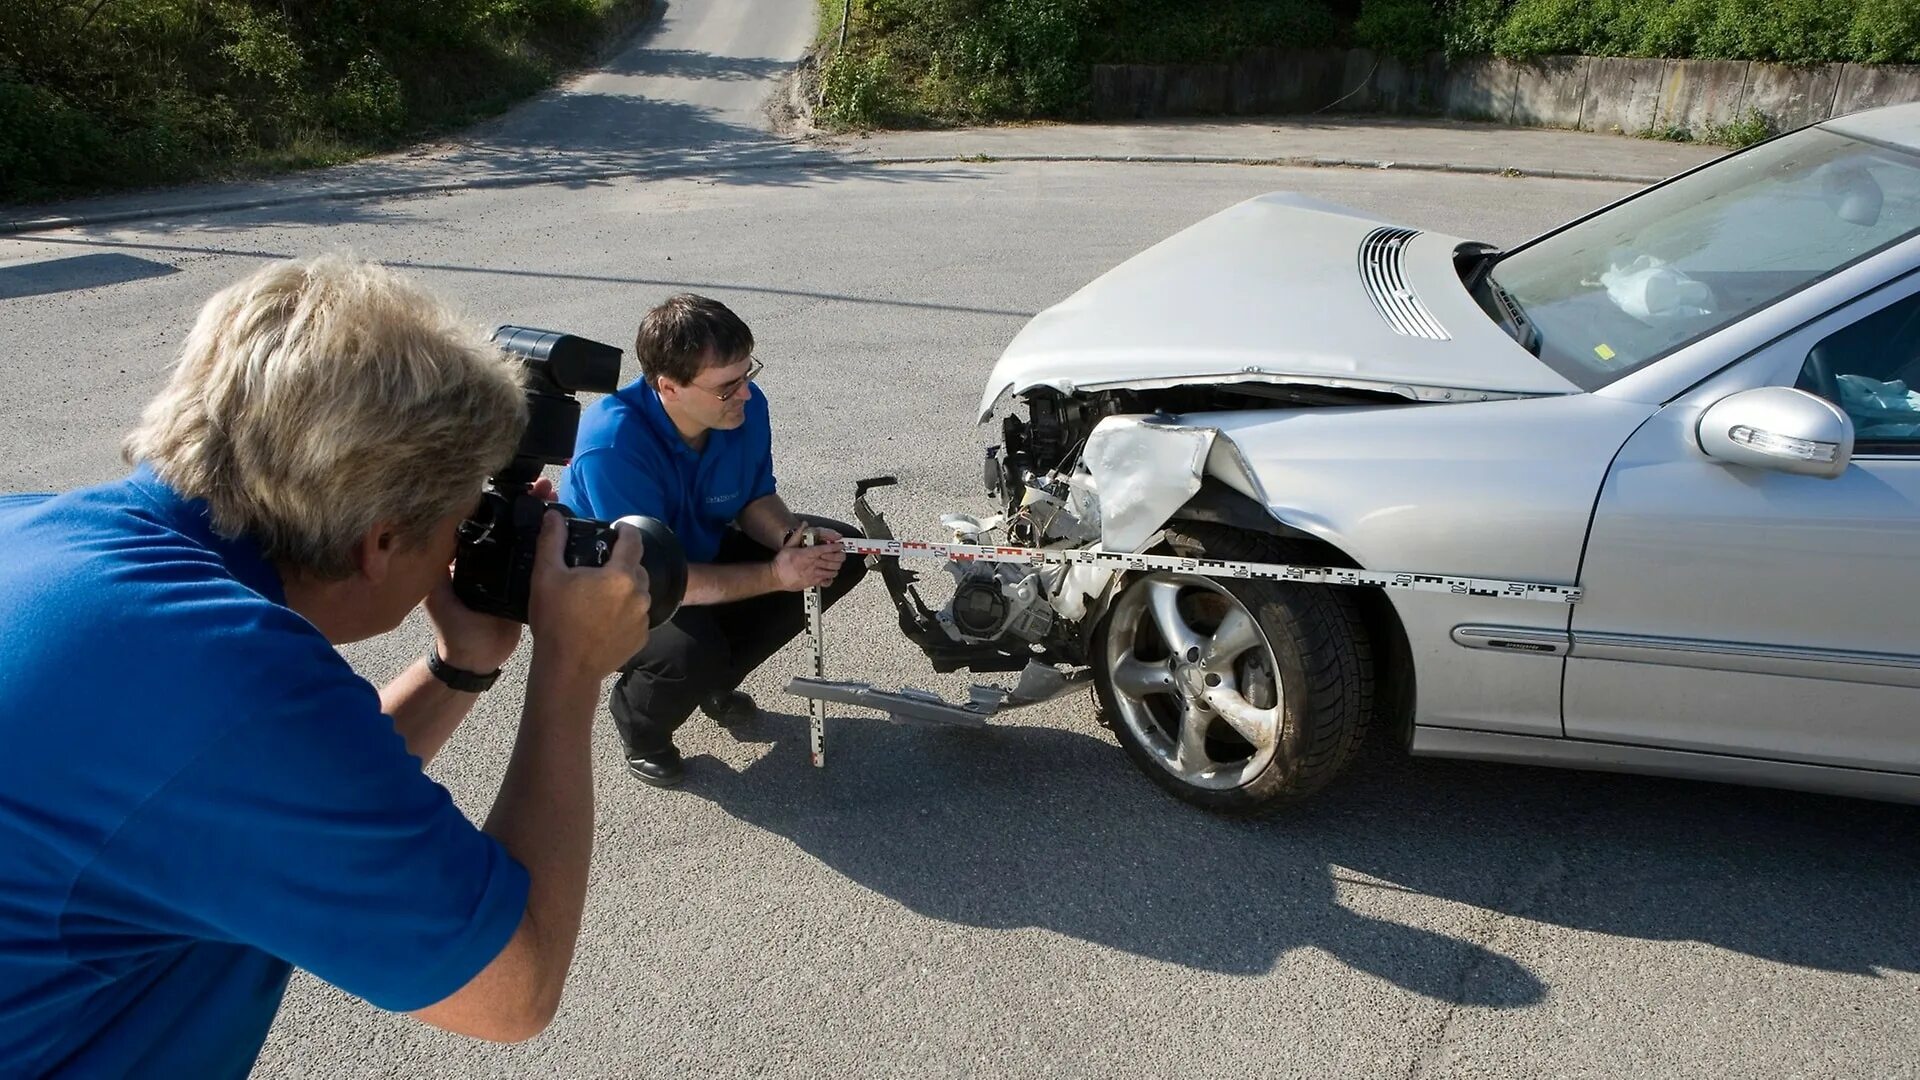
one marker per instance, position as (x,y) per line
(1589,93)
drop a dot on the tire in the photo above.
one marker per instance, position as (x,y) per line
(1281,691)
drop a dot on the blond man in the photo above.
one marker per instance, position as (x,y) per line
(197,792)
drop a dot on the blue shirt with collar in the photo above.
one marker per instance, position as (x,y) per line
(197,793)
(629,459)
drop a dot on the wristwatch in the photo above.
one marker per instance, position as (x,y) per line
(467,682)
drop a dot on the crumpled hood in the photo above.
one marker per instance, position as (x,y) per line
(1281,288)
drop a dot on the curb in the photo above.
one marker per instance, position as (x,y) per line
(1307,162)
(217,206)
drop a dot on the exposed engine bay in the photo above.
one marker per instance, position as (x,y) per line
(1044,477)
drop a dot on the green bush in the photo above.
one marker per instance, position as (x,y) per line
(105,93)
(1779,31)
(1885,31)
(961,61)
(44,141)
(966,61)
(1748,128)
(860,91)
(367,100)
(1408,29)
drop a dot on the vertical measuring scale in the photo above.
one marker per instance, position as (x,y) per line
(816,708)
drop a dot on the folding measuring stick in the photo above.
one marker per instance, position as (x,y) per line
(816,709)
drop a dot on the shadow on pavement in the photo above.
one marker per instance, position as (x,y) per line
(76,272)
(613,123)
(26,279)
(1029,826)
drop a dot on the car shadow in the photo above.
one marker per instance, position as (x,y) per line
(1017,826)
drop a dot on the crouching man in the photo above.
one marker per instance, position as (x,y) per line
(690,443)
(197,792)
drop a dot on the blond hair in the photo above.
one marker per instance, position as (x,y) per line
(317,398)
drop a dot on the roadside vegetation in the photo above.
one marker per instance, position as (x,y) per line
(936,62)
(104,94)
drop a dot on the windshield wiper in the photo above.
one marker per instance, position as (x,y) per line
(1474,261)
(1522,328)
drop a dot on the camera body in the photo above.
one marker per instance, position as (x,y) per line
(493,570)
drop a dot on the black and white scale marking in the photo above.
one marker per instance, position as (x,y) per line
(816,709)
(1221,568)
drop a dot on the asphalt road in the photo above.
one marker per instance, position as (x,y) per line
(1013,902)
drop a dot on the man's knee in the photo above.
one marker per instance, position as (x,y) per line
(689,648)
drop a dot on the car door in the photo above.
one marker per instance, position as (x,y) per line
(1740,610)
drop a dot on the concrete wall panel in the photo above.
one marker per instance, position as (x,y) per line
(1551,92)
(1700,94)
(1623,95)
(1481,88)
(1863,87)
(1594,93)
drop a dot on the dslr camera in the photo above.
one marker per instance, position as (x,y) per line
(493,569)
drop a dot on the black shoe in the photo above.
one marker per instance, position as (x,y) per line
(662,768)
(730,708)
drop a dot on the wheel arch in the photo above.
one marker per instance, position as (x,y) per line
(1393,665)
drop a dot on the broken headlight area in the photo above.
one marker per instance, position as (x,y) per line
(1003,616)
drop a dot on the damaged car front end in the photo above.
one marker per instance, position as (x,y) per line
(1114,408)
(1690,411)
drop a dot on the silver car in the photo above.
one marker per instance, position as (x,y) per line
(1697,406)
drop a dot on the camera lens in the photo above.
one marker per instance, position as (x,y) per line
(665,562)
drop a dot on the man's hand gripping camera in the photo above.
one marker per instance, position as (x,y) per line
(493,571)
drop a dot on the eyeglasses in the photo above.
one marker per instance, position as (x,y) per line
(726,393)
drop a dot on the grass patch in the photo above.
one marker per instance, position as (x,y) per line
(1745,130)
(113,94)
(1749,128)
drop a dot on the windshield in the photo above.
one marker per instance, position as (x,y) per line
(1618,291)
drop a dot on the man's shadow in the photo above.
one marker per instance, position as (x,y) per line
(1017,826)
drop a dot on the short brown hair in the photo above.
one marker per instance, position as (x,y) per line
(674,336)
(316,398)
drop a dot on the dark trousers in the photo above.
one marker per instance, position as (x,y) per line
(709,650)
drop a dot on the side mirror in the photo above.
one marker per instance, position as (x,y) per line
(1778,428)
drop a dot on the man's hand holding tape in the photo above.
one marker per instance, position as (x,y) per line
(796,565)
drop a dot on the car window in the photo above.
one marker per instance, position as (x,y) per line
(1871,369)
(1617,291)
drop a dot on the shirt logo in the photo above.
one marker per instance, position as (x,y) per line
(728,497)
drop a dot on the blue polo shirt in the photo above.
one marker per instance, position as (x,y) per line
(196,793)
(629,459)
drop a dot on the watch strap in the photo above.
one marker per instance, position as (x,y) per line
(467,682)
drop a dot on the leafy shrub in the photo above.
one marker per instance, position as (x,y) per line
(107,93)
(367,100)
(1885,31)
(1780,31)
(946,61)
(1408,29)
(1748,128)
(860,91)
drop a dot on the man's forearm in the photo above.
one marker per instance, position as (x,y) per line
(766,520)
(424,710)
(723,583)
(543,815)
